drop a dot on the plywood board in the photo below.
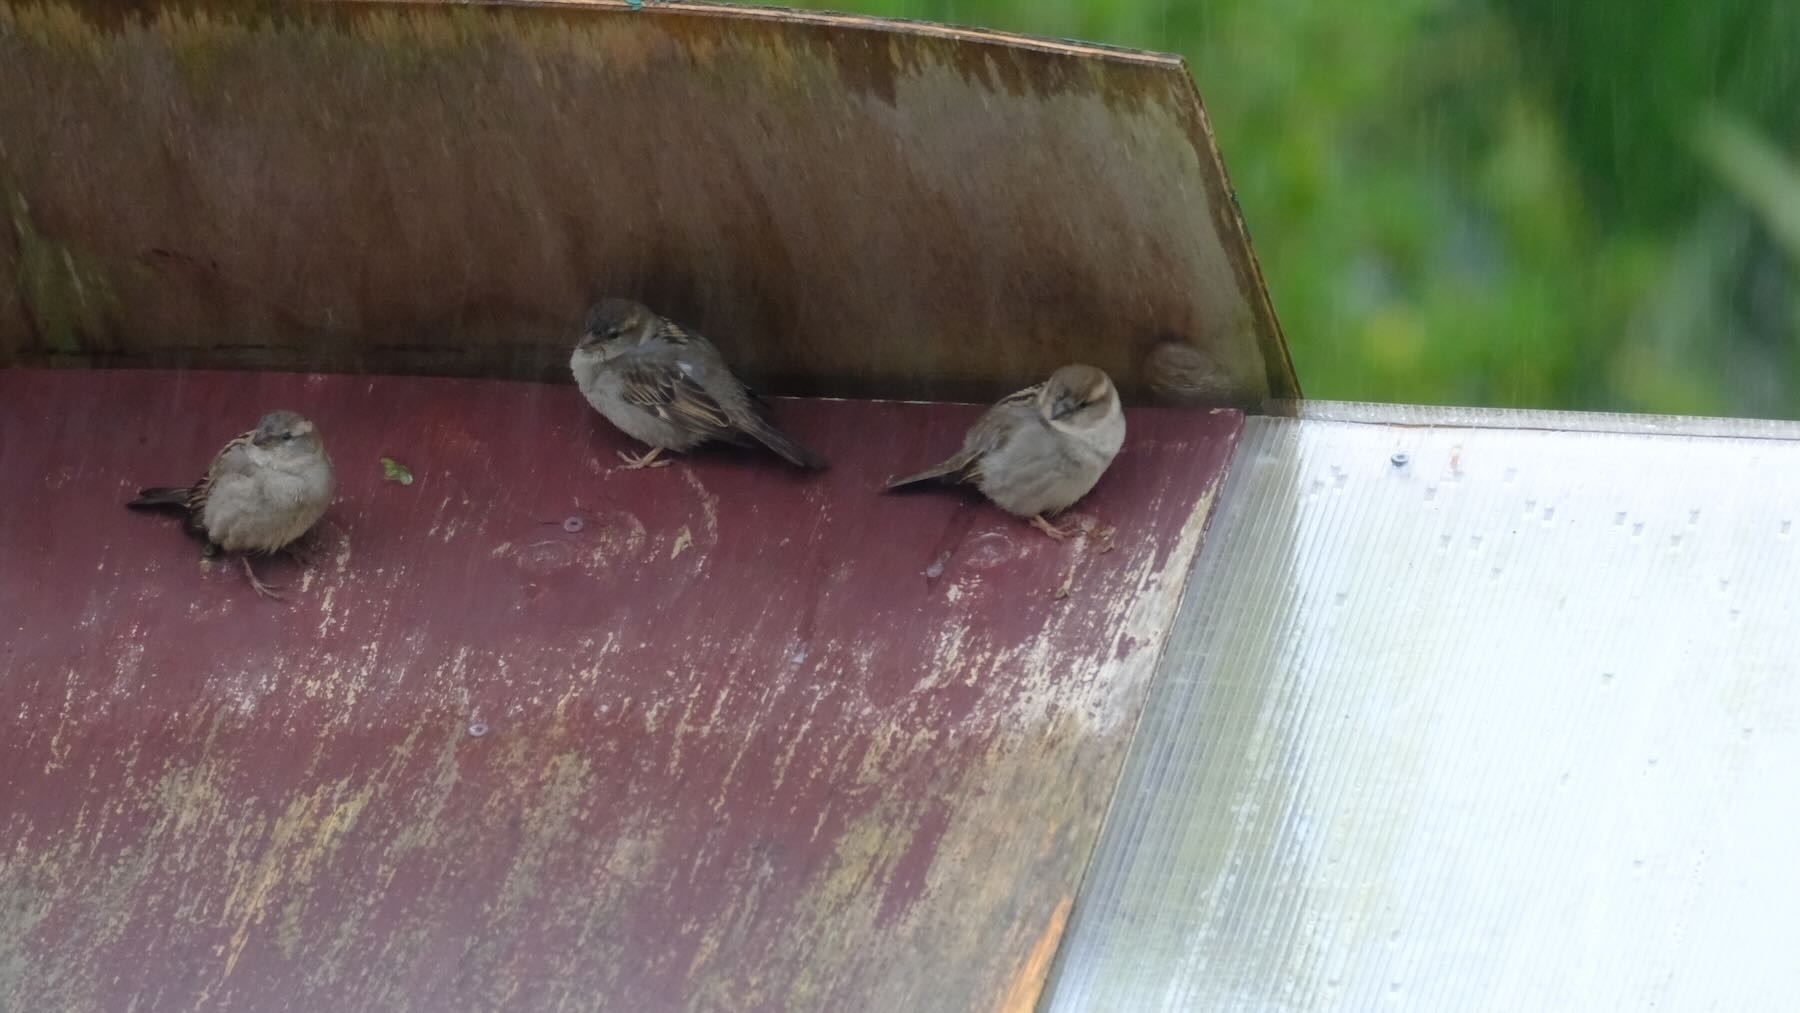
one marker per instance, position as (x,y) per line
(749,739)
(851,206)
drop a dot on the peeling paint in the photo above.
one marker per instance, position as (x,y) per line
(847,783)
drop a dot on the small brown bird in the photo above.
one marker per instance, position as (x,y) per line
(264,490)
(1038,451)
(668,387)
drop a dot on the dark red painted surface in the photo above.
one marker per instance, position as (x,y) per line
(754,739)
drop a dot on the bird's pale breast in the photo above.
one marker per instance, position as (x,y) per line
(267,508)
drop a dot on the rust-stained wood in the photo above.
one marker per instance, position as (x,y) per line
(752,739)
(849,206)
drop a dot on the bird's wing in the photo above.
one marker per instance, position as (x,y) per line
(232,459)
(667,388)
(1027,398)
(988,432)
(675,334)
(701,365)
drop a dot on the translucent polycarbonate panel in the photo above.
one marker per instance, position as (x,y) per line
(1471,719)
(1517,418)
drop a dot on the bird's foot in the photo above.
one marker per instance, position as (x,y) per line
(1060,534)
(262,589)
(635,462)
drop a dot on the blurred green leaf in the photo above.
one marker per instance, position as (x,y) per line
(1755,171)
(394,471)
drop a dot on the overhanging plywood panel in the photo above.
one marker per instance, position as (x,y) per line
(847,205)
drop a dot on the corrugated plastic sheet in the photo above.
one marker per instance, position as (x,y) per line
(1468,718)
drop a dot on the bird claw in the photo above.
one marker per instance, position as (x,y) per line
(637,462)
(1060,534)
(262,589)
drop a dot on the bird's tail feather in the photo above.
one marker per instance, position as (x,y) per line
(784,445)
(943,472)
(161,498)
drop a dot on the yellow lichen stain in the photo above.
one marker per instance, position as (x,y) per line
(548,826)
(731,928)
(1021,995)
(302,837)
(430,791)
(840,905)
(890,745)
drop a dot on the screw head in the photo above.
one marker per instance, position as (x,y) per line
(1399,459)
(478,729)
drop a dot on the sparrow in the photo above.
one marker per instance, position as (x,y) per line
(668,387)
(264,490)
(1036,452)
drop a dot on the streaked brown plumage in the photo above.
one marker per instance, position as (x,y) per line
(264,490)
(1036,452)
(668,387)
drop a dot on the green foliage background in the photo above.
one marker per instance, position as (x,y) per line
(1499,202)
